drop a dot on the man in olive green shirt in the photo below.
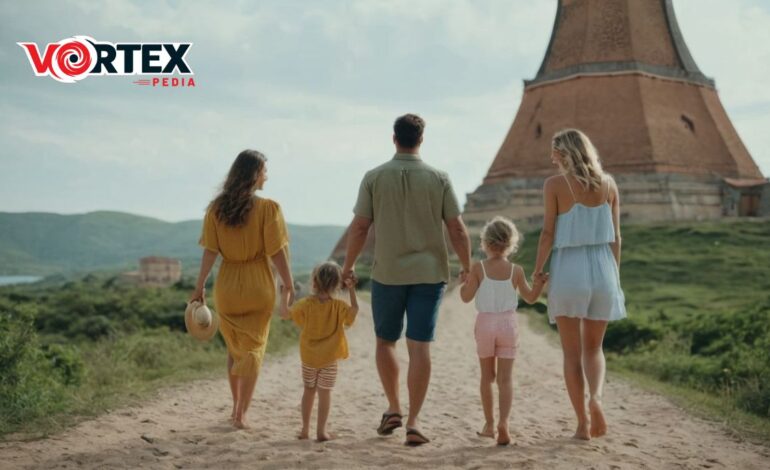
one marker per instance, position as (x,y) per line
(409,202)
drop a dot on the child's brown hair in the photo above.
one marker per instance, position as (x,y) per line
(327,277)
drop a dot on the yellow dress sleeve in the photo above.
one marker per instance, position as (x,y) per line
(298,313)
(275,233)
(209,239)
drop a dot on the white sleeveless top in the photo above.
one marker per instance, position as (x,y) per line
(495,296)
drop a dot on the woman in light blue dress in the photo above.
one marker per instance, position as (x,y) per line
(581,232)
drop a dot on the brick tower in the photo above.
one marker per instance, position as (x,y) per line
(620,71)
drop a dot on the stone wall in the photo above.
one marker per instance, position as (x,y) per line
(644,198)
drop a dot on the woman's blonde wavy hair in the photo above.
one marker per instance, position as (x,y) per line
(579,157)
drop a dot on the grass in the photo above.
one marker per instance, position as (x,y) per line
(713,408)
(716,409)
(119,372)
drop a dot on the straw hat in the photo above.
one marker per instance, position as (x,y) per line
(201,322)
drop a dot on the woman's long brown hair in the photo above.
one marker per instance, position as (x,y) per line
(236,199)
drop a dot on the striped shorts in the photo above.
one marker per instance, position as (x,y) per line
(323,377)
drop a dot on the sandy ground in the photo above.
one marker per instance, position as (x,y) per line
(186,426)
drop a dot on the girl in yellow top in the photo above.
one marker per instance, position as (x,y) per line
(248,232)
(322,342)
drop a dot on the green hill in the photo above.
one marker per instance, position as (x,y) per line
(43,243)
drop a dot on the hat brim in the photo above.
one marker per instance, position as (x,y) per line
(197,331)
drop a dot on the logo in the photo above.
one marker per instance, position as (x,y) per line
(73,59)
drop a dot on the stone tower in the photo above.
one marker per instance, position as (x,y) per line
(620,71)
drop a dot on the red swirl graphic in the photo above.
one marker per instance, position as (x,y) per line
(73,58)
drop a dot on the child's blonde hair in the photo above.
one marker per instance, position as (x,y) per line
(500,234)
(327,278)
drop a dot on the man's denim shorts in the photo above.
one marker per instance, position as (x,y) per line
(420,302)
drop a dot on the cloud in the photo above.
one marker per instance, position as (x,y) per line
(315,85)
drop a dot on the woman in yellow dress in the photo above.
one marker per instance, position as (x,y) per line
(248,232)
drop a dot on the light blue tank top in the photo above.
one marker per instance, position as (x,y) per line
(584,225)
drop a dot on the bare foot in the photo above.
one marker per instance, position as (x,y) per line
(582,432)
(598,423)
(487,431)
(304,434)
(325,436)
(240,424)
(503,438)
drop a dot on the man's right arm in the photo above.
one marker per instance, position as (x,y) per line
(359,227)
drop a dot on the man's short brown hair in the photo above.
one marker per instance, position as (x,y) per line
(408,130)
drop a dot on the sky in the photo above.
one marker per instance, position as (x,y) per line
(313,85)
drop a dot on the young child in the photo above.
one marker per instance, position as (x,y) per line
(322,342)
(494,283)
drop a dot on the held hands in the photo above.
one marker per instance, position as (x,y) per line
(347,275)
(350,282)
(539,278)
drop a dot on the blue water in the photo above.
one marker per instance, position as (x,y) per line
(8,280)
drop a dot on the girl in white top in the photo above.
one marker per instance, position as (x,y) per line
(494,283)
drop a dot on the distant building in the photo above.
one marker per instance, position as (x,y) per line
(154,271)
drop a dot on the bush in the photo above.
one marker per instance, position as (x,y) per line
(754,396)
(29,385)
(629,334)
(66,361)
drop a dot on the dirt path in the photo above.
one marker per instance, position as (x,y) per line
(186,427)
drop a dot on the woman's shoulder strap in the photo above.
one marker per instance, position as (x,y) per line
(570,188)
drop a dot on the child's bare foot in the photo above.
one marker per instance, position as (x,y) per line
(503,437)
(487,431)
(598,423)
(325,436)
(304,434)
(582,432)
(240,424)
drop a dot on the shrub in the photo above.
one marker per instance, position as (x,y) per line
(28,383)
(66,361)
(629,334)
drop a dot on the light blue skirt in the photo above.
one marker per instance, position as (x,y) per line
(585,283)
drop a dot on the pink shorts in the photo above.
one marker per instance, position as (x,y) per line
(497,335)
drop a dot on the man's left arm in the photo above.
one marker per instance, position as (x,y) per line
(458,233)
